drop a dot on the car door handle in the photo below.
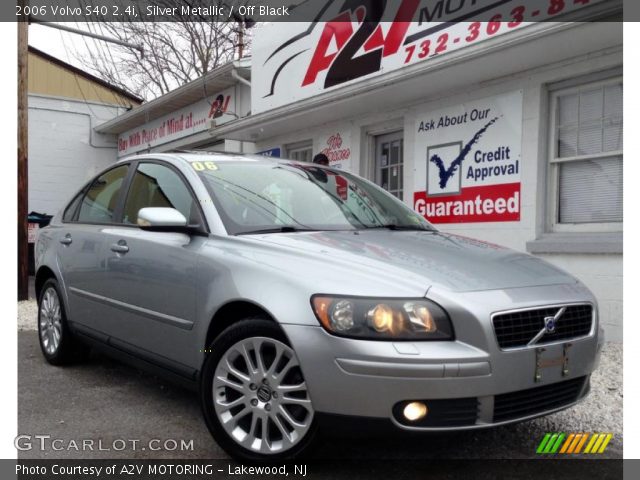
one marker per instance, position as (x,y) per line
(66,240)
(120,247)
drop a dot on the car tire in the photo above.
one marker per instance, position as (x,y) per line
(57,343)
(253,395)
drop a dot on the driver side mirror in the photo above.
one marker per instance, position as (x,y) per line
(163,219)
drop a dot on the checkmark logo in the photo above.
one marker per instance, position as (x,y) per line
(445,173)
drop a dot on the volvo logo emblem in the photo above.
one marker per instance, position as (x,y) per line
(264,394)
(549,324)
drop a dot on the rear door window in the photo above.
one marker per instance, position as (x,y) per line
(100,202)
(72,208)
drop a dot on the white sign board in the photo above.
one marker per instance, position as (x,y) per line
(467,161)
(336,145)
(32,232)
(306,59)
(194,118)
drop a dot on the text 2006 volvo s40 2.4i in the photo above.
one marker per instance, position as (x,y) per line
(290,292)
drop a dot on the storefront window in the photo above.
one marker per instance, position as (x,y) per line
(586,157)
(389,163)
(302,152)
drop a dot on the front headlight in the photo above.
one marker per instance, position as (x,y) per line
(389,319)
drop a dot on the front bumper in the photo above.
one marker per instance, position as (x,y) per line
(471,374)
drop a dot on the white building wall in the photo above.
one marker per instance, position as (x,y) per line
(64,152)
(602,273)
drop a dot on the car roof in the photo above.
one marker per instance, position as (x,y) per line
(198,156)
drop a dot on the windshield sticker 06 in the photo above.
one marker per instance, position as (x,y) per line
(470,156)
(201,166)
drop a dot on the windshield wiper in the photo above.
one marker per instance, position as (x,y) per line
(282,229)
(394,226)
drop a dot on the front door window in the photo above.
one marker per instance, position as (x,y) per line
(157,185)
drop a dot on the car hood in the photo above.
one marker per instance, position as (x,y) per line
(448,261)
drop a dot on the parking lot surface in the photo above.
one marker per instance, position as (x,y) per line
(115,405)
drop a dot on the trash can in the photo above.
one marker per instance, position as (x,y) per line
(36,221)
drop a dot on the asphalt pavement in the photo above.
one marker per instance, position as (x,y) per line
(122,412)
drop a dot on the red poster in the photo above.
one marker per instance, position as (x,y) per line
(487,203)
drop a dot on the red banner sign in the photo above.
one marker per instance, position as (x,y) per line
(487,203)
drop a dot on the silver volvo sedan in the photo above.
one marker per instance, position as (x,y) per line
(289,293)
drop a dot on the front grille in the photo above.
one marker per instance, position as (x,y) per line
(517,329)
(455,412)
(510,406)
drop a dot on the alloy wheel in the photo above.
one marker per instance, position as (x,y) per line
(260,396)
(50,318)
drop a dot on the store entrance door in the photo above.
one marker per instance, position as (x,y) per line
(389,162)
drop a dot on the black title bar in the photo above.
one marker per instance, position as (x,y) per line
(252,11)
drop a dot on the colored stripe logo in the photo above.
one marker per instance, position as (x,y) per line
(574,443)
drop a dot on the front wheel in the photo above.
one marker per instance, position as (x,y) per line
(254,397)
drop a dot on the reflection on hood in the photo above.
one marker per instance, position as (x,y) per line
(450,261)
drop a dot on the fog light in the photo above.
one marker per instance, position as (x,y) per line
(414,411)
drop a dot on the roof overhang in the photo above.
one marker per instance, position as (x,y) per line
(540,44)
(211,83)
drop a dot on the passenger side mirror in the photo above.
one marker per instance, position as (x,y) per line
(162,219)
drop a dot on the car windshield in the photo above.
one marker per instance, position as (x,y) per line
(262,197)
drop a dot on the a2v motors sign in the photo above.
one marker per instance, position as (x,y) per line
(468,161)
(365,38)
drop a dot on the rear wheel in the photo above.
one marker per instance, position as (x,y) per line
(56,341)
(254,397)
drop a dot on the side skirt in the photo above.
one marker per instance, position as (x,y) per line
(174,372)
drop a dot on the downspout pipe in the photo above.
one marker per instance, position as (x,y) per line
(238,77)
